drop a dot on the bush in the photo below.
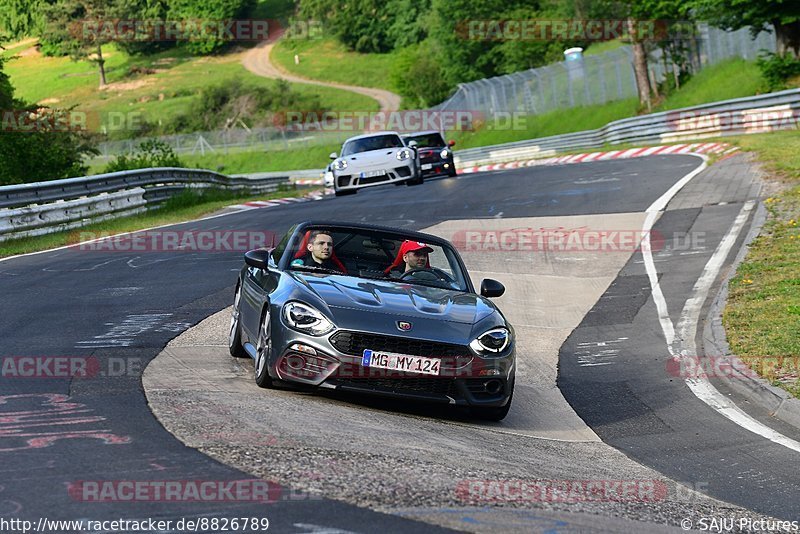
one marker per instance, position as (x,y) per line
(151,153)
(224,105)
(778,69)
(418,75)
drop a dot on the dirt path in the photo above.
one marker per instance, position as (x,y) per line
(258,62)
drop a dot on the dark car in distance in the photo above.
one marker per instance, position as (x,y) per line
(364,321)
(435,156)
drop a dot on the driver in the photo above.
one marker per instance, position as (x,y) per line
(320,250)
(412,255)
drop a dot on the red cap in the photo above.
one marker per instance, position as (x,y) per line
(408,246)
(411,246)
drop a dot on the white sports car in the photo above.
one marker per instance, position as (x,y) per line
(374,159)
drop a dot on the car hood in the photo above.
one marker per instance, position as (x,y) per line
(395,298)
(374,156)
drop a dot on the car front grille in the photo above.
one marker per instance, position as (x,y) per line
(343,180)
(403,172)
(354,343)
(374,179)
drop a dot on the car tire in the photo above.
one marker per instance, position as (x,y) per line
(416,181)
(493,413)
(263,351)
(235,332)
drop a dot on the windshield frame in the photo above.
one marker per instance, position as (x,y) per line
(450,253)
(354,142)
(415,137)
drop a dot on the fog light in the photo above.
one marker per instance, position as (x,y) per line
(446,165)
(295,362)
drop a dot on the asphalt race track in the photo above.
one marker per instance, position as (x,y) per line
(120,309)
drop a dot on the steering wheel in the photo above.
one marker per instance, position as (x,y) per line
(434,274)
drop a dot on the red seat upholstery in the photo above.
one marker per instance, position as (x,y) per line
(303,250)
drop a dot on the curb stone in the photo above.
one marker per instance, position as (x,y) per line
(779,403)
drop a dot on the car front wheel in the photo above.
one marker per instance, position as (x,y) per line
(263,351)
(235,334)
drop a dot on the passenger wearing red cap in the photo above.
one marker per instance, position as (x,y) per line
(412,255)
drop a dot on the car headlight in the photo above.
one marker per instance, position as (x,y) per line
(492,342)
(306,319)
(340,164)
(403,154)
(444,154)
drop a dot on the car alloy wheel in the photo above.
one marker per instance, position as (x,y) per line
(235,333)
(263,351)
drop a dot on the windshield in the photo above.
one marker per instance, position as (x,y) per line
(427,140)
(375,254)
(376,142)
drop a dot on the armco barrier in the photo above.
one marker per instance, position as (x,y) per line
(45,207)
(753,114)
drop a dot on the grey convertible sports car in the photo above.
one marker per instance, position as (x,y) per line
(376,310)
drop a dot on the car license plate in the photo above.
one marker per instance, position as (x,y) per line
(401,362)
(427,166)
(370,174)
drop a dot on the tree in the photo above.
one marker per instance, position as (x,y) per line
(216,10)
(637,14)
(82,27)
(22,18)
(43,154)
(783,15)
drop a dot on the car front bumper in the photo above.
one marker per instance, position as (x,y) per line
(357,177)
(464,380)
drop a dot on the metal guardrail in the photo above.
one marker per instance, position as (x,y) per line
(45,207)
(754,114)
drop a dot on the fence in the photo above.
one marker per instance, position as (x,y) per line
(596,79)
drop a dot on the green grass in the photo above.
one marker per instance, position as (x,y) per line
(603,47)
(159,96)
(184,207)
(314,157)
(762,316)
(553,123)
(326,59)
(729,79)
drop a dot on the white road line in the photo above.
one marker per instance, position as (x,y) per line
(687,325)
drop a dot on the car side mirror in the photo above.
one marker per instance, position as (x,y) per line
(451,143)
(413,144)
(333,155)
(492,288)
(259,258)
